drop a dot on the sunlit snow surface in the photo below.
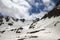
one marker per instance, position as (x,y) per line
(27,9)
(46,28)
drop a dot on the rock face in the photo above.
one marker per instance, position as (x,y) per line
(47,28)
(54,13)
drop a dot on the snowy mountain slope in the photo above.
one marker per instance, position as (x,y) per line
(43,29)
(47,28)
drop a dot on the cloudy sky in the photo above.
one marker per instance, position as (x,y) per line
(27,9)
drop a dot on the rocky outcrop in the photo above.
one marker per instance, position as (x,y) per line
(53,13)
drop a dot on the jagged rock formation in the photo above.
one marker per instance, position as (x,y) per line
(54,13)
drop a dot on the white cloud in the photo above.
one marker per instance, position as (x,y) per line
(20,9)
(46,1)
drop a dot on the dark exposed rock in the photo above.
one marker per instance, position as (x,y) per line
(56,23)
(34,21)
(31,26)
(20,28)
(1,20)
(18,32)
(2,31)
(37,19)
(15,19)
(10,24)
(13,29)
(33,37)
(36,31)
(7,19)
(54,13)
(23,20)
(0,24)
(20,39)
